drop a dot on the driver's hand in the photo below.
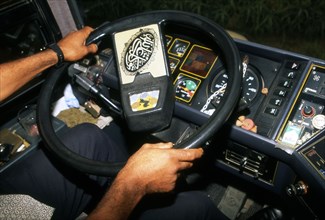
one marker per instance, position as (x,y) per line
(156,167)
(73,45)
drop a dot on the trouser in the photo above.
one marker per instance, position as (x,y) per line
(48,180)
(71,192)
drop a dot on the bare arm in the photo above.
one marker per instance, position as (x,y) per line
(15,74)
(153,168)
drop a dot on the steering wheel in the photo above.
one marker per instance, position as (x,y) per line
(204,133)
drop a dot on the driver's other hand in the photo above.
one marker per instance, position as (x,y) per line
(156,167)
(73,45)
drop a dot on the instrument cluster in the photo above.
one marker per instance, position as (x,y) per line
(200,79)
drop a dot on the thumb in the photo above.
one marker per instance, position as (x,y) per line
(92,48)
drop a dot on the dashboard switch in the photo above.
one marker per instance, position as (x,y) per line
(298,189)
(308,111)
(292,65)
(276,101)
(291,74)
(272,111)
(286,83)
(322,91)
(280,92)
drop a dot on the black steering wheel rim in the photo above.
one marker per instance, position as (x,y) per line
(206,131)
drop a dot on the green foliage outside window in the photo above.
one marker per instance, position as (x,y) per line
(296,25)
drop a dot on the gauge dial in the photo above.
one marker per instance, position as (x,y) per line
(186,87)
(179,47)
(251,85)
(218,82)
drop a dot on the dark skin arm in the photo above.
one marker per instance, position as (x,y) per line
(154,168)
(15,74)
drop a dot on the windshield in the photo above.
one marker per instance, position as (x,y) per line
(294,25)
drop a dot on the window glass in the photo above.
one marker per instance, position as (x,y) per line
(20,40)
(294,25)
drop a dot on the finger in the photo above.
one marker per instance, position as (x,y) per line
(188,154)
(158,145)
(87,30)
(184,165)
(164,145)
(92,48)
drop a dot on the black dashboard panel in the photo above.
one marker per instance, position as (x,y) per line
(273,109)
(269,86)
(277,79)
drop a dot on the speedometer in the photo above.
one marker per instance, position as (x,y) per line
(217,83)
(251,85)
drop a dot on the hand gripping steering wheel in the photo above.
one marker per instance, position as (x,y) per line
(216,34)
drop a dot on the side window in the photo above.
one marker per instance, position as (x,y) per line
(20,40)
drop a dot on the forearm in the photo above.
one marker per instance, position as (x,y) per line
(15,74)
(119,201)
(154,168)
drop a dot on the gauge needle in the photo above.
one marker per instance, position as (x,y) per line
(184,88)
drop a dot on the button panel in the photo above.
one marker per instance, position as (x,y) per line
(307,115)
(279,95)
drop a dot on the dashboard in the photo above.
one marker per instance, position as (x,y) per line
(282,105)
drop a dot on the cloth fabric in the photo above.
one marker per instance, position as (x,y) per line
(71,192)
(23,207)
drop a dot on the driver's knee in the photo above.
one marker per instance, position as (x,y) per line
(81,138)
(91,142)
(84,131)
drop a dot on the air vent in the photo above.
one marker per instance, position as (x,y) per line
(249,162)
